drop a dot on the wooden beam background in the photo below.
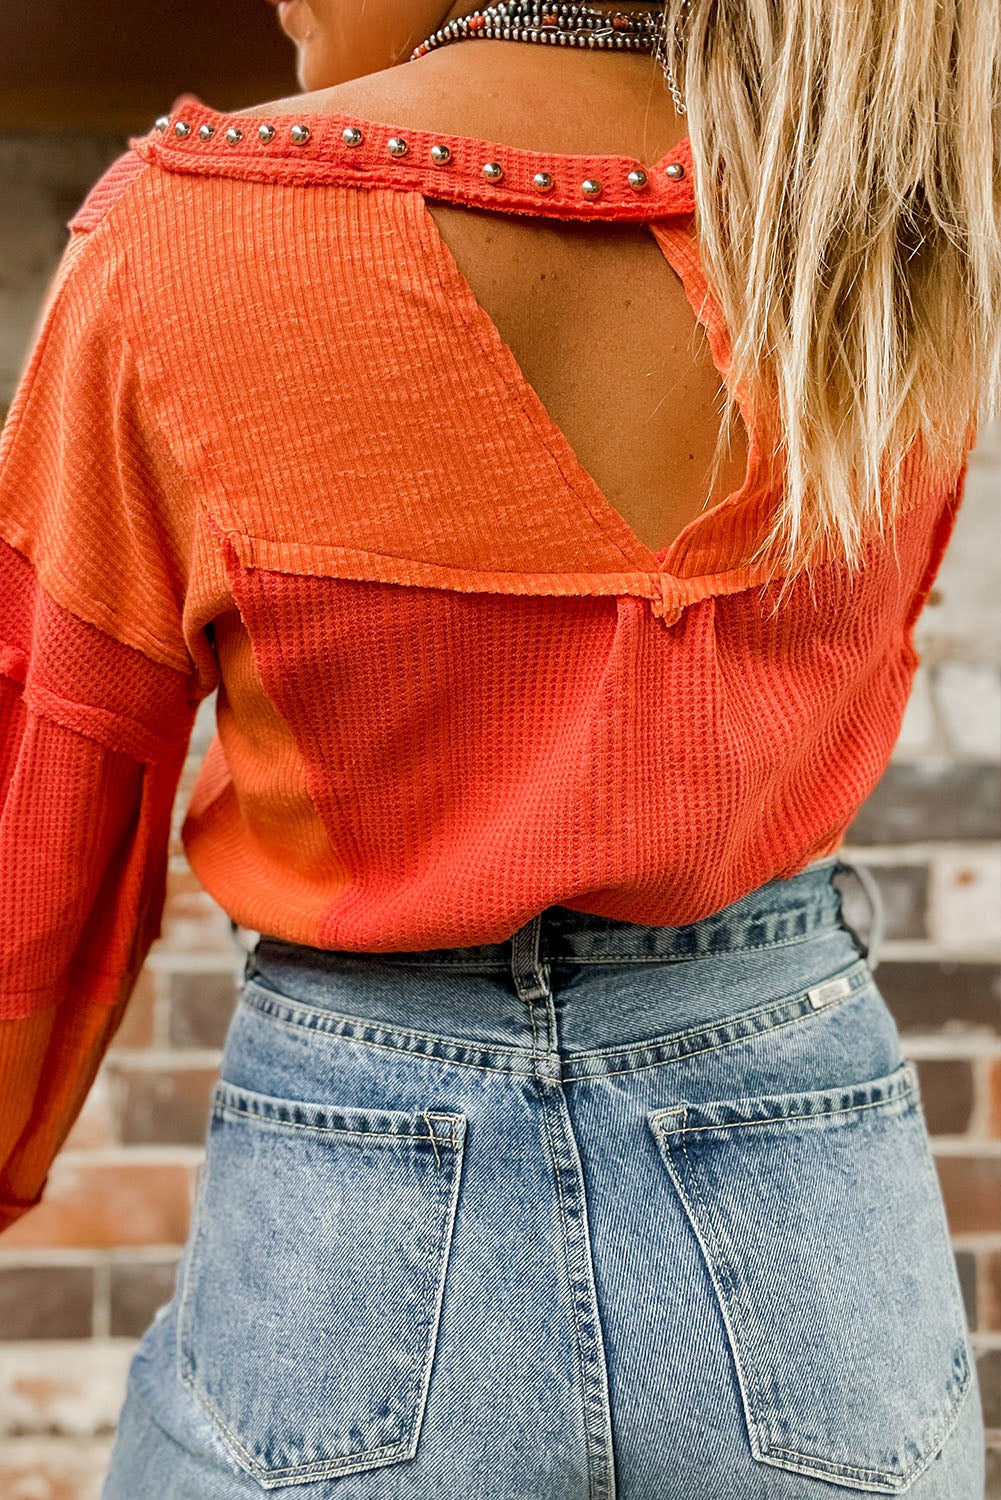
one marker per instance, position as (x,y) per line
(116,65)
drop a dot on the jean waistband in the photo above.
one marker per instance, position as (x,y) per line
(784,910)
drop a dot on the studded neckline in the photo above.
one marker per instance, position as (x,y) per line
(336,147)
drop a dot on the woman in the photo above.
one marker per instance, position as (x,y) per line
(563,1144)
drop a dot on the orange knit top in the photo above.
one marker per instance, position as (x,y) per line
(435,715)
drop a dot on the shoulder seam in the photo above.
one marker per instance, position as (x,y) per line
(107,192)
(61,288)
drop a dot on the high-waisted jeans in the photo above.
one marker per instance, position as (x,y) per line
(602,1210)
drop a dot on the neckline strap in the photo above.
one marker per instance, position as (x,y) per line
(308,147)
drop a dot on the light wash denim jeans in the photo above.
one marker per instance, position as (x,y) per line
(603,1210)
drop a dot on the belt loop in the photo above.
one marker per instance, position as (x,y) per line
(877,914)
(247,946)
(530,974)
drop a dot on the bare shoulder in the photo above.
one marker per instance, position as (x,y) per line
(397,95)
(514,99)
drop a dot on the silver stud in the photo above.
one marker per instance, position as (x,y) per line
(299,134)
(543,181)
(206,132)
(233,135)
(182,128)
(493,171)
(351,136)
(266,133)
(590,187)
(637,178)
(440,154)
(396,146)
(674,169)
(162,122)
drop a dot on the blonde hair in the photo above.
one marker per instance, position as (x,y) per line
(846,157)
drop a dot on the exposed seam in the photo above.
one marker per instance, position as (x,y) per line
(279,1124)
(847,1109)
(530,1057)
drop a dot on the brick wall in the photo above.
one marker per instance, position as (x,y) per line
(81,1276)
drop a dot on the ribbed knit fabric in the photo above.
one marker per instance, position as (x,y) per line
(454,686)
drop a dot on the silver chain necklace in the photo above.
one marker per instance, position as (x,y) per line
(561,25)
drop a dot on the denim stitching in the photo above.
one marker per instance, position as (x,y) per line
(584,1358)
(682,958)
(227,1096)
(739,1035)
(429,1120)
(819,1114)
(730,1303)
(269,1001)
(567,1079)
(323,1468)
(716,1266)
(456,1062)
(854,970)
(385,1135)
(554,1165)
(349,957)
(798,997)
(830,1466)
(326,1023)
(373,1457)
(272,998)
(320,1470)
(535,1032)
(490,966)
(424,1352)
(734,1041)
(931,1176)
(722,1269)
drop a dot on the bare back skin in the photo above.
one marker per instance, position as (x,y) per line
(595,316)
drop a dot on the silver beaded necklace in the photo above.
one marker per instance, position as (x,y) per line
(562,25)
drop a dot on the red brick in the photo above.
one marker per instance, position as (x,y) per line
(161,1106)
(947,1094)
(192,920)
(46,1302)
(940,799)
(904,892)
(201,1007)
(966,1267)
(136,1027)
(138,1288)
(72,1387)
(971,1187)
(89,1204)
(953,995)
(989,1290)
(992,1489)
(994,1097)
(94,1126)
(52,1468)
(989,1375)
(185,787)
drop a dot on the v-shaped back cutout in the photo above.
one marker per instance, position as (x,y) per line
(675,351)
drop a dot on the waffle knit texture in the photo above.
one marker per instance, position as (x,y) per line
(267,441)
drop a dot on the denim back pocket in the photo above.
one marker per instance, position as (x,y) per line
(309,1305)
(822,1226)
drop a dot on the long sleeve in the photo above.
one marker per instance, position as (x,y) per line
(98,692)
